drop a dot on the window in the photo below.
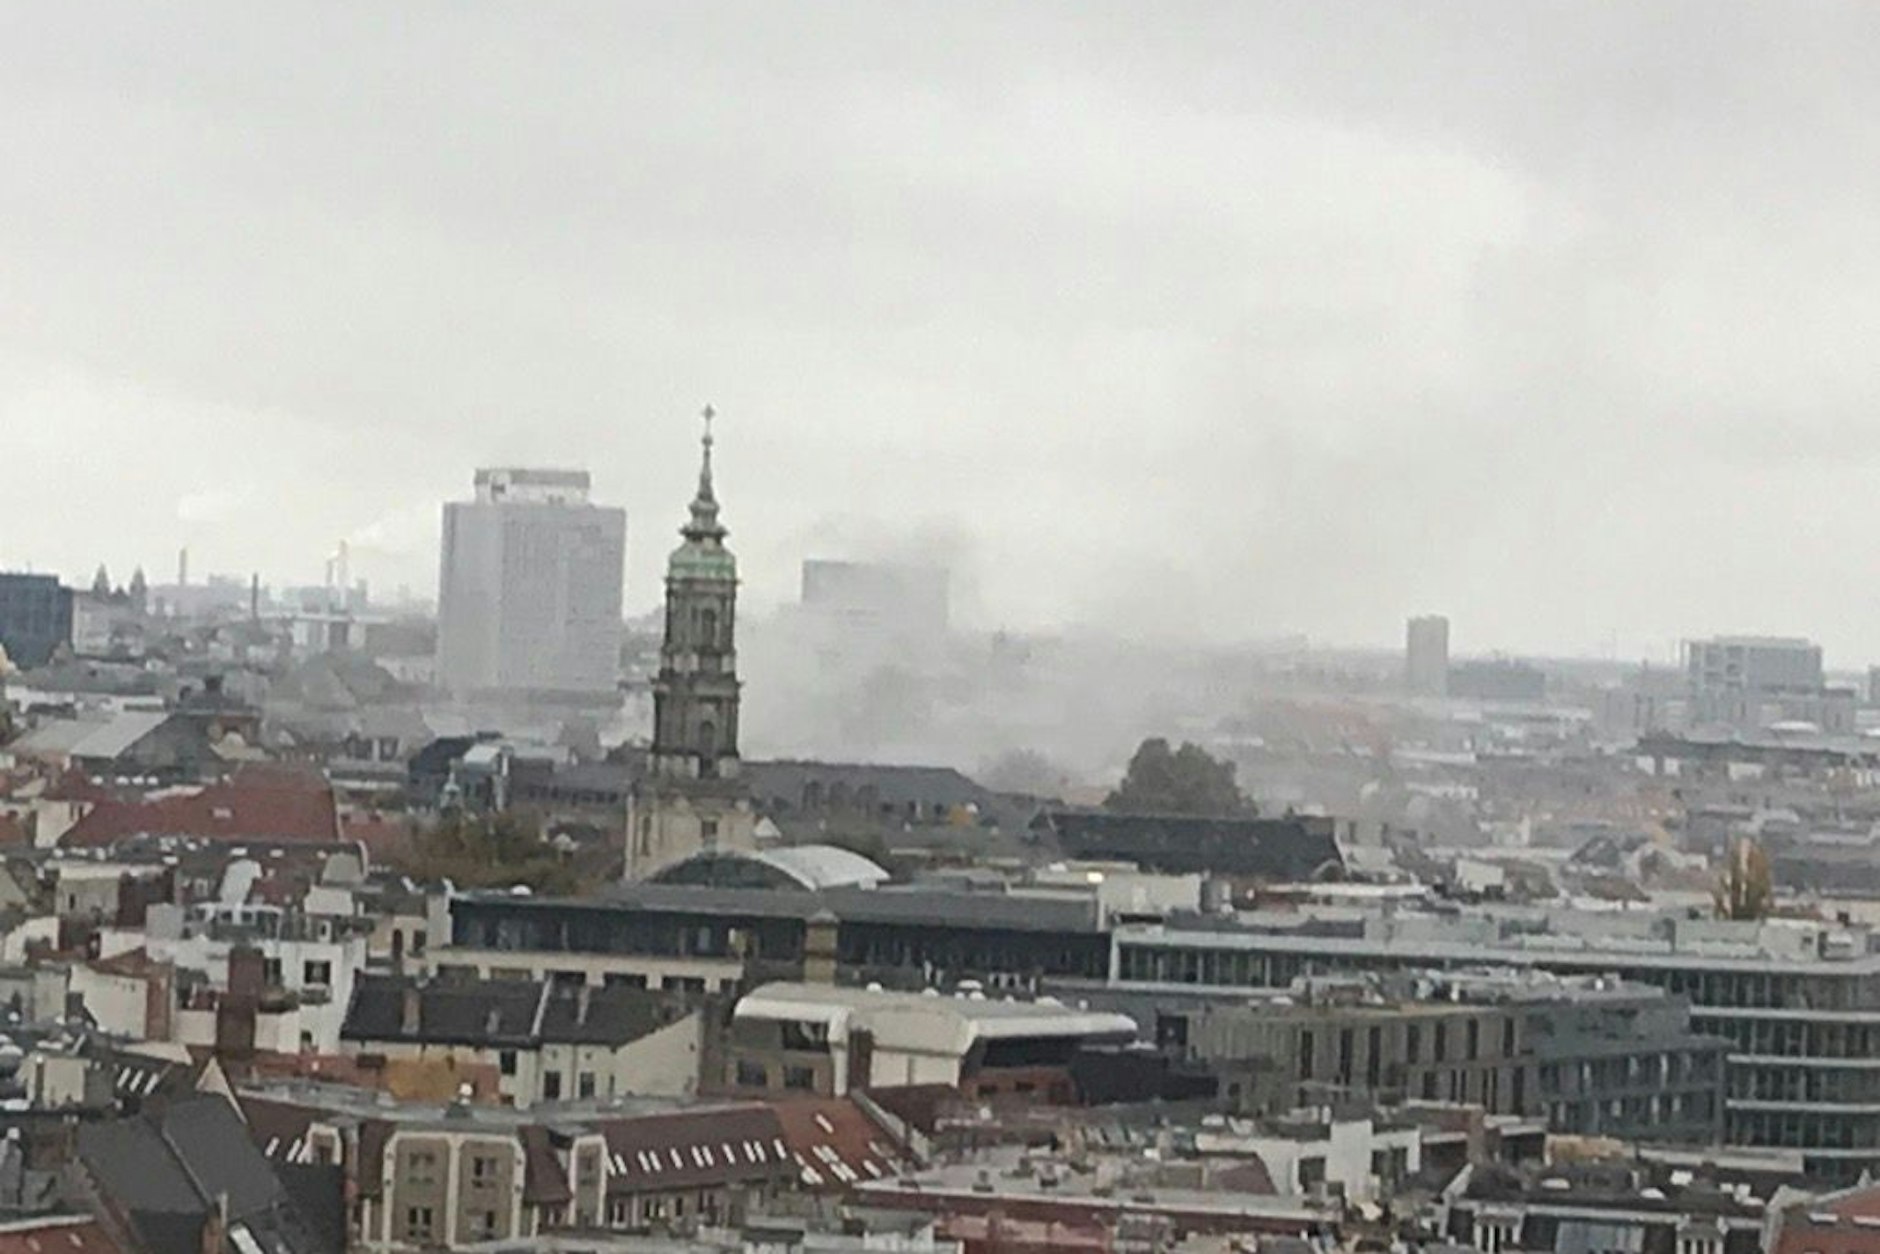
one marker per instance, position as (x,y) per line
(483,1223)
(799,1078)
(271,972)
(316,973)
(752,1075)
(1507,1038)
(1413,1044)
(482,1169)
(551,1085)
(584,1084)
(419,1223)
(1305,1055)
(421,1167)
(1442,1043)
(506,1062)
(811,1037)
(1473,1048)
(417,941)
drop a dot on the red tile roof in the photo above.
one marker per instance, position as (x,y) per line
(836,1144)
(13,830)
(261,802)
(278,1129)
(1847,1222)
(76,786)
(382,834)
(695,1149)
(65,1235)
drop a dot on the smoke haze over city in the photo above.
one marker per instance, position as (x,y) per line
(1217,321)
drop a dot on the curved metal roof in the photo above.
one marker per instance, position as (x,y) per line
(809,867)
(824,866)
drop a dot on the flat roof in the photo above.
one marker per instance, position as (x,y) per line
(987,1017)
(1477,953)
(904,904)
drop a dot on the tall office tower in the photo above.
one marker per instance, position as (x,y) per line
(1426,656)
(529,595)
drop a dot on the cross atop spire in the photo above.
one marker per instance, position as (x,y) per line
(705,522)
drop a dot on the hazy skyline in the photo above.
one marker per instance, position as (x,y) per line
(1228,320)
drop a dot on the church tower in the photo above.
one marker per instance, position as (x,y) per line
(695,698)
(691,797)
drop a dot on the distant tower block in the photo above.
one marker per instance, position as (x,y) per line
(1426,656)
(530,589)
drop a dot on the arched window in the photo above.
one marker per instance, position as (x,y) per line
(708,627)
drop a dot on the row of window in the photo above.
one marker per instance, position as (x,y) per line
(1632,1071)
(1791,1038)
(1789,1129)
(1189,964)
(421,1225)
(424,1166)
(753,1074)
(1805,1084)
(1630,1115)
(519,930)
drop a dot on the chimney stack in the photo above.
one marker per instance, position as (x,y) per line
(409,1019)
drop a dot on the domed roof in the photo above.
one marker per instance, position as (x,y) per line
(809,868)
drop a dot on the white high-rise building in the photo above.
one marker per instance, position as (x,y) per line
(530,591)
(1426,656)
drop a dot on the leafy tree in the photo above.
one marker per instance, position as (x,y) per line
(1743,889)
(1188,780)
(488,851)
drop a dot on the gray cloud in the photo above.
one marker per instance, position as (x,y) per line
(1229,319)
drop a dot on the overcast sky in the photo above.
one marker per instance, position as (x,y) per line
(1231,320)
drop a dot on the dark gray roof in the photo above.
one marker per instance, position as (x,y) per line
(503,1013)
(168,1173)
(135,1169)
(901,903)
(1283,849)
(887,785)
(209,1137)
